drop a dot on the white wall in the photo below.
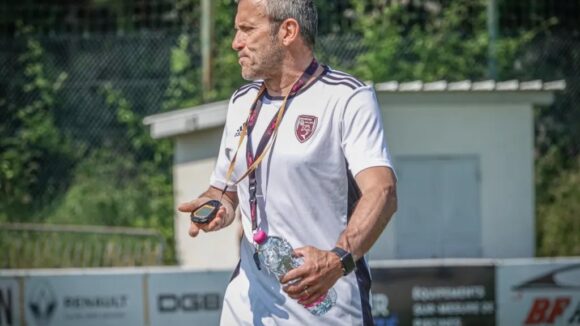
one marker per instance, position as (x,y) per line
(498,129)
(195,156)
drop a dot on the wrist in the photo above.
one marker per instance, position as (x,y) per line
(346,260)
(230,212)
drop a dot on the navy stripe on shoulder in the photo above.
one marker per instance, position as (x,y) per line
(342,73)
(353,81)
(338,73)
(244,90)
(338,76)
(246,86)
(336,82)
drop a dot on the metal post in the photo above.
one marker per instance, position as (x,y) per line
(492,29)
(206,43)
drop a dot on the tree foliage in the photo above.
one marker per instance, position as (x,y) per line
(558,220)
(451,44)
(127,183)
(30,141)
(47,177)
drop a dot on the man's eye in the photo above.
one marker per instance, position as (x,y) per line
(245,28)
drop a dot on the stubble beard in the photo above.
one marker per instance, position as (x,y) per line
(265,64)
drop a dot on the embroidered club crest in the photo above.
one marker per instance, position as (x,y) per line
(305,126)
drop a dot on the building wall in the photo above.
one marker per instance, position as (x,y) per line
(498,130)
(195,156)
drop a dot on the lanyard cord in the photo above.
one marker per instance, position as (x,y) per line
(267,140)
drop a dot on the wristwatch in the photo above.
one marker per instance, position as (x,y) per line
(346,260)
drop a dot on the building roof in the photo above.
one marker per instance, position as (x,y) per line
(182,121)
(468,85)
(213,115)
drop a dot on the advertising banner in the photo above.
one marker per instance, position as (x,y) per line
(539,293)
(186,297)
(9,302)
(100,299)
(434,295)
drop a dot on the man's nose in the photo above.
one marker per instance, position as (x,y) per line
(237,43)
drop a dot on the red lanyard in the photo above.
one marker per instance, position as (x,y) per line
(269,134)
(267,140)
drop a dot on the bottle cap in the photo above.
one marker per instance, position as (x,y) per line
(260,236)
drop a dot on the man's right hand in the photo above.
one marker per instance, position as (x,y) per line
(220,221)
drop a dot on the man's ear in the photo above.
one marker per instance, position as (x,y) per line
(289,31)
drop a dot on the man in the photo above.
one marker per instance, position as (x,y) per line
(314,169)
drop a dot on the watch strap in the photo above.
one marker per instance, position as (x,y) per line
(348,264)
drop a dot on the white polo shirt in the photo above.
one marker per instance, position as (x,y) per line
(331,131)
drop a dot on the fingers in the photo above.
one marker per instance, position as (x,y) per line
(297,290)
(310,282)
(299,272)
(215,224)
(293,274)
(193,230)
(186,207)
(299,252)
(190,206)
(297,282)
(314,296)
(305,293)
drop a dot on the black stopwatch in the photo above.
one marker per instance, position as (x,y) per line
(206,212)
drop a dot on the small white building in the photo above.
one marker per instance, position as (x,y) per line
(464,156)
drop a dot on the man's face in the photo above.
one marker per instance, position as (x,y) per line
(260,53)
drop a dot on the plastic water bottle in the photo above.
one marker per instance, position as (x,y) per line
(275,254)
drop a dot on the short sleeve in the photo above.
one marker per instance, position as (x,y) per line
(363,137)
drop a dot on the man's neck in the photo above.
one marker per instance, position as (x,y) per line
(289,72)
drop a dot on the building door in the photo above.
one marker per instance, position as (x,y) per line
(439,208)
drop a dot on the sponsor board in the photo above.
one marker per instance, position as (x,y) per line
(186,298)
(536,293)
(9,302)
(84,300)
(434,296)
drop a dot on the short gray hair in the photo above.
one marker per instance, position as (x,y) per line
(304,11)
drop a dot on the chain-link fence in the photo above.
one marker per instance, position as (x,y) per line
(94,69)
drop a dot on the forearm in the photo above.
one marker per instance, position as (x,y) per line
(372,213)
(377,204)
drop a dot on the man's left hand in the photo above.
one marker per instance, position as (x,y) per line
(320,271)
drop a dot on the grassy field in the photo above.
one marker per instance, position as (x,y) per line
(43,246)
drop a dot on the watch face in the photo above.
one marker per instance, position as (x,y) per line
(348,264)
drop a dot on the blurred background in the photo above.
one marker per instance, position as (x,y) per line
(78,77)
(84,184)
